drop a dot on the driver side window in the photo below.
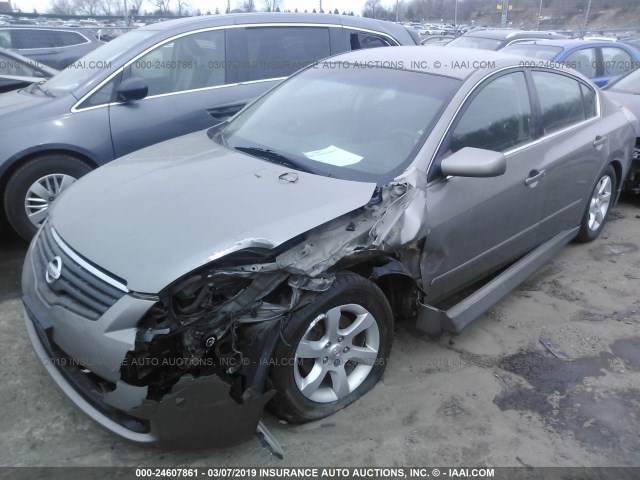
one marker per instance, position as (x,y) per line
(498,118)
(187,63)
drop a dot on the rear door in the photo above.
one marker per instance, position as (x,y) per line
(575,147)
(479,224)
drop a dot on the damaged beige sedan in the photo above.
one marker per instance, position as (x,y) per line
(177,291)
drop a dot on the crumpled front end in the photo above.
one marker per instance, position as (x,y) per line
(84,330)
(190,365)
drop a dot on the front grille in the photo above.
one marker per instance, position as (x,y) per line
(78,288)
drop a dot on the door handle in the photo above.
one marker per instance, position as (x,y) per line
(599,141)
(534,176)
(225,112)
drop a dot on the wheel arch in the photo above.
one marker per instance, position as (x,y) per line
(396,282)
(617,168)
(17,161)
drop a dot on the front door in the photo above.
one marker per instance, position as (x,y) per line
(479,224)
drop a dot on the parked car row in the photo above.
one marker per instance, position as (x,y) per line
(497,39)
(599,61)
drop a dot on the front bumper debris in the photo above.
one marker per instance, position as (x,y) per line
(196,412)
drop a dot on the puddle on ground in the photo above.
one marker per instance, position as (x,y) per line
(612,250)
(558,395)
(625,315)
(628,349)
(549,374)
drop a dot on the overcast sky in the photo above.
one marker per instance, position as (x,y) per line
(356,6)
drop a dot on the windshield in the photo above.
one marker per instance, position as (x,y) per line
(541,52)
(475,42)
(628,84)
(95,61)
(363,124)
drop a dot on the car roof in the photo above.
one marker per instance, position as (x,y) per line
(204,21)
(504,34)
(571,43)
(454,62)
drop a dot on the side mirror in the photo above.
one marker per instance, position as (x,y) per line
(133,88)
(474,162)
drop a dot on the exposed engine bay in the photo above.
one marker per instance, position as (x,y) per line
(226,318)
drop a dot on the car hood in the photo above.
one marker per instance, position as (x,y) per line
(156,214)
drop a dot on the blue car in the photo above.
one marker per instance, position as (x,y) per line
(600,61)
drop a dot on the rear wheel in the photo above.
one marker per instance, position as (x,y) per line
(34,186)
(599,206)
(336,350)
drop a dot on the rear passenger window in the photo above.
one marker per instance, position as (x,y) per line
(187,63)
(583,61)
(32,38)
(70,38)
(360,40)
(560,99)
(498,118)
(275,52)
(616,61)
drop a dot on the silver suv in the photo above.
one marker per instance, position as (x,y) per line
(156,83)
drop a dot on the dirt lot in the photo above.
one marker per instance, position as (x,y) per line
(493,396)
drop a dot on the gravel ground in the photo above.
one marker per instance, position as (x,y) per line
(492,396)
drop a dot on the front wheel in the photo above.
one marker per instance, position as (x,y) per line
(333,351)
(600,203)
(34,186)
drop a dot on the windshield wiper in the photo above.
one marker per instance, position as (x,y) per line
(38,85)
(273,157)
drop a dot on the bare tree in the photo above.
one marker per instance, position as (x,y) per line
(183,7)
(247,5)
(371,8)
(63,7)
(112,7)
(88,7)
(162,5)
(270,5)
(134,6)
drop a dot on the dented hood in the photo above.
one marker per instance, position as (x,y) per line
(159,213)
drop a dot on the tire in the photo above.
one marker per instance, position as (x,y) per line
(56,172)
(598,206)
(351,300)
